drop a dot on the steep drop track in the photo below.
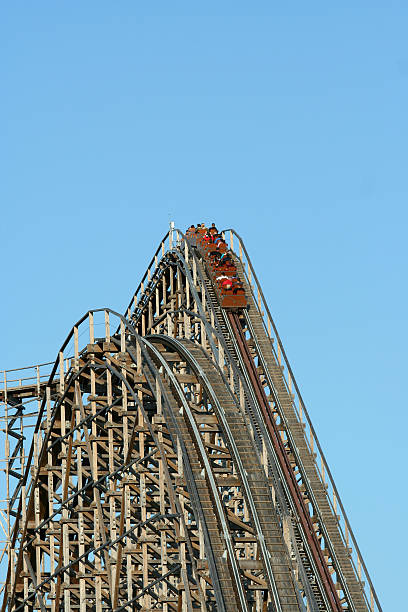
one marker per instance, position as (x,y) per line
(169,467)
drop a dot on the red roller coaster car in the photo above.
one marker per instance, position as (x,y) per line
(219,261)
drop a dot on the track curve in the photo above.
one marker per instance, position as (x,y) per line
(169,468)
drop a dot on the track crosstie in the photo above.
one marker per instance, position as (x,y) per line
(171,463)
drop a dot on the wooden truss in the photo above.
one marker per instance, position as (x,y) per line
(173,465)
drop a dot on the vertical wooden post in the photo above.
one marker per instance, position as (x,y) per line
(76,349)
(61,372)
(157,296)
(91,328)
(265,458)
(107,326)
(221,357)
(122,337)
(37,372)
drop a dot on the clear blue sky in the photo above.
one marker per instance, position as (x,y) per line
(287,121)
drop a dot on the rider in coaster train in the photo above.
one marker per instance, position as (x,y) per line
(225,282)
(202,229)
(213,231)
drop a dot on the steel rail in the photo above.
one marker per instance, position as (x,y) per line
(194,497)
(39,419)
(190,478)
(299,463)
(178,232)
(240,468)
(271,450)
(232,335)
(289,475)
(305,411)
(280,481)
(40,415)
(207,466)
(56,365)
(196,297)
(159,248)
(209,300)
(170,489)
(281,484)
(328,471)
(170,234)
(30,367)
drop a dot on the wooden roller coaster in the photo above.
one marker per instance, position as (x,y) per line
(166,460)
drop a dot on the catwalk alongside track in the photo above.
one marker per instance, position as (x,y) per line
(173,464)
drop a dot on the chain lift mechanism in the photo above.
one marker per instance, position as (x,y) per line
(166,460)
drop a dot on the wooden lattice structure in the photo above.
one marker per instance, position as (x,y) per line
(166,461)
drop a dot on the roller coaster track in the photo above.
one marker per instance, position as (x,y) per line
(171,463)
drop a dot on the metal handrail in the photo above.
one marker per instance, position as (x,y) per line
(153,261)
(257,299)
(169,237)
